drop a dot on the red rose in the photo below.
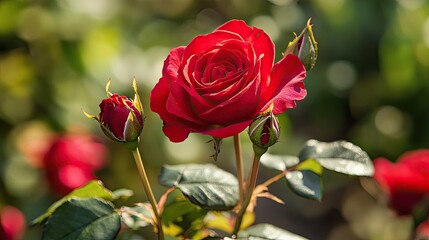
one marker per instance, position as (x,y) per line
(219,82)
(71,161)
(12,223)
(406,181)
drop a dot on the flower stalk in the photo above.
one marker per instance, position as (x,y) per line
(239,162)
(146,185)
(249,192)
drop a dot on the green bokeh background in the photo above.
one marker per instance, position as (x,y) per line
(370,86)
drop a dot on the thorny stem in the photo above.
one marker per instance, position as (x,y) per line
(239,162)
(148,190)
(249,191)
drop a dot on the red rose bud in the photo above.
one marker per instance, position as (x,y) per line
(121,118)
(264,131)
(305,47)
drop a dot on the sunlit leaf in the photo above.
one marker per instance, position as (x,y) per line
(311,165)
(305,183)
(268,232)
(83,218)
(203,184)
(278,162)
(122,193)
(94,188)
(224,221)
(136,217)
(339,156)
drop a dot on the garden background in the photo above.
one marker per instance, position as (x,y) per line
(370,86)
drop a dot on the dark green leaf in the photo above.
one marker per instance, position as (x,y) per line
(203,184)
(136,217)
(94,188)
(339,156)
(268,232)
(83,218)
(305,183)
(279,162)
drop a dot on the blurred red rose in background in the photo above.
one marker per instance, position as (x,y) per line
(406,182)
(219,82)
(12,223)
(422,231)
(71,161)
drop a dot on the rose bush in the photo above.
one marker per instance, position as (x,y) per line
(406,182)
(219,82)
(72,160)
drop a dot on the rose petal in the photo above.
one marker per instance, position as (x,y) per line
(176,133)
(203,43)
(261,42)
(286,85)
(228,131)
(240,107)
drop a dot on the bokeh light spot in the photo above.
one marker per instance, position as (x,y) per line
(341,75)
(187,151)
(268,24)
(389,120)
(426,32)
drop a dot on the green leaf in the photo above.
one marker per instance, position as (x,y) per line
(268,232)
(83,218)
(305,183)
(279,162)
(185,215)
(177,209)
(311,165)
(122,193)
(203,184)
(94,188)
(135,217)
(339,156)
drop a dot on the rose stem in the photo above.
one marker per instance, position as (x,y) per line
(148,191)
(249,191)
(239,161)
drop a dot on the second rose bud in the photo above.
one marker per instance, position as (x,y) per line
(264,131)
